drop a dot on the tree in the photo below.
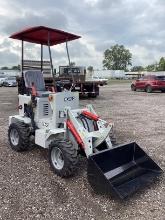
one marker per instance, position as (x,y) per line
(117,58)
(137,69)
(90,68)
(16,67)
(4,68)
(150,67)
(161,66)
(19,67)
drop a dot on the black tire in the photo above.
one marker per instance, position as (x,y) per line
(133,88)
(69,157)
(23,132)
(92,95)
(112,137)
(148,89)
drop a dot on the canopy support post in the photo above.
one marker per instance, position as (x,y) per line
(67,50)
(22,57)
(67,53)
(41,57)
(51,63)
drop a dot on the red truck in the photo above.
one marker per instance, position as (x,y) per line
(149,83)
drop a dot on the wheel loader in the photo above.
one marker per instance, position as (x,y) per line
(55,122)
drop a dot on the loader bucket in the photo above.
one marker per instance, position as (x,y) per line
(121,170)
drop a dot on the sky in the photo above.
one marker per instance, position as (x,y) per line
(136,24)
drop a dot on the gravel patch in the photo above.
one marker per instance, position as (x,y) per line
(30,190)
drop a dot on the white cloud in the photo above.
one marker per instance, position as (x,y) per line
(138,25)
(91,2)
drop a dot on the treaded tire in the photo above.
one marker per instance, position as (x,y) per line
(93,95)
(133,88)
(113,137)
(23,136)
(148,89)
(69,155)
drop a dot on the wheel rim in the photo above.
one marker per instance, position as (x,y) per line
(57,158)
(133,88)
(14,137)
(148,89)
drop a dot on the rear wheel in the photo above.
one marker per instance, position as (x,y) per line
(19,136)
(112,137)
(63,157)
(133,88)
(148,89)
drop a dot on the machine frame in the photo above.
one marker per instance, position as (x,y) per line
(54,121)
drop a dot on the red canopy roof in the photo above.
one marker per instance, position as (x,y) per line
(39,35)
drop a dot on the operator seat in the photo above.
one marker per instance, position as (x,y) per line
(35,78)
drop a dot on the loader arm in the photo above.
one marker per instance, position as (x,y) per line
(90,133)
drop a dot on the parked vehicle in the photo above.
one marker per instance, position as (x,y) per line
(149,83)
(2,79)
(77,74)
(10,82)
(102,81)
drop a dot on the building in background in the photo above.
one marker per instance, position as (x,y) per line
(120,74)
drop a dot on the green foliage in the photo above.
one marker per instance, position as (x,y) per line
(151,67)
(90,68)
(16,67)
(158,66)
(161,66)
(4,68)
(137,69)
(117,58)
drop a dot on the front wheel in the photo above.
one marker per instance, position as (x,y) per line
(19,136)
(63,157)
(133,88)
(148,89)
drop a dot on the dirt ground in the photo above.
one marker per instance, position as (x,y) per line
(30,190)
